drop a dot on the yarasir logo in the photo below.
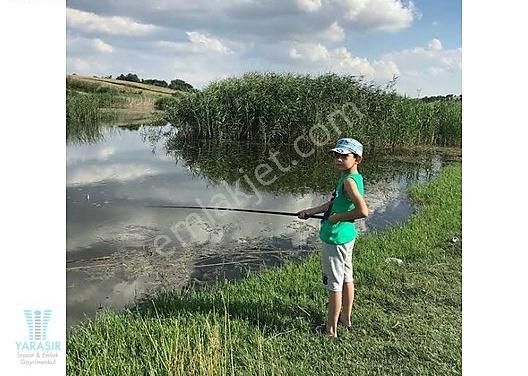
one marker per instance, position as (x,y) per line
(37,349)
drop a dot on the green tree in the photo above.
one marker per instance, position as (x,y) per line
(129,77)
(178,84)
(155,82)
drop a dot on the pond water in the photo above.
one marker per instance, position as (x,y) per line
(119,250)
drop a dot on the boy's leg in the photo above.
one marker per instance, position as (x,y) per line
(334,307)
(348,285)
(332,262)
(348,301)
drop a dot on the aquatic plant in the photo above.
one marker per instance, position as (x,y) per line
(280,107)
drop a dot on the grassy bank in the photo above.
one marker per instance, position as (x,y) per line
(92,100)
(406,320)
(272,107)
(126,85)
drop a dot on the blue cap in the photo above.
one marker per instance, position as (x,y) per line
(348,146)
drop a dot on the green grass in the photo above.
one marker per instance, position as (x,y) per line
(406,319)
(90,101)
(113,95)
(274,107)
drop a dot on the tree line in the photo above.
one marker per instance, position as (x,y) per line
(176,84)
(448,97)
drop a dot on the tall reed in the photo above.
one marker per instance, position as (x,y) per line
(82,108)
(279,107)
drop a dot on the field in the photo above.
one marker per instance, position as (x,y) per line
(406,318)
(123,85)
(92,100)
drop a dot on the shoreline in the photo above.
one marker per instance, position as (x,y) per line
(263,322)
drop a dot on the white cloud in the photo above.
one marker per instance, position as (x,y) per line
(309,51)
(101,46)
(94,174)
(381,15)
(87,55)
(340,60)
(269,20)
(277,35)
(294,54)
(199,43)
(116,25)
(331,34)
(175,47)
(80,153)
(434,44)
(334,33)
(199,71)
(432,55)
(308,5)
(80,66)
(433,69)
(208,42)
(385,69)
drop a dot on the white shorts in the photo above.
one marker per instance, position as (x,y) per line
(336,265)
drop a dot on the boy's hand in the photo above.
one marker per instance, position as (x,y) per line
(334,218)
(303,214)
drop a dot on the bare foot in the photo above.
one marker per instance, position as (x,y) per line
(346,323)
(331,332)
(322,330)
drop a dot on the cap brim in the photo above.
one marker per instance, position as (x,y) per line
(341,151)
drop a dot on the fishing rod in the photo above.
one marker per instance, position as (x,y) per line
(187,207)
(232,209)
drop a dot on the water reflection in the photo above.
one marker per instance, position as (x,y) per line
(111,258)
(83,133)
(291,173)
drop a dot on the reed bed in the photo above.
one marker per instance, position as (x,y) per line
(280,107)
(82,108)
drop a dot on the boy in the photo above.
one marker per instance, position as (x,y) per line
(338,232)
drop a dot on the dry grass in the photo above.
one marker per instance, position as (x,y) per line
(133,86)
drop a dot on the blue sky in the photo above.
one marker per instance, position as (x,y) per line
(200,41)
(438,19)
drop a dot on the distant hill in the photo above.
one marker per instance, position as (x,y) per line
(120,84)
(122,101)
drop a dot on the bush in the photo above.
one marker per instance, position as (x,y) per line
(129,77)
(181,85)
(159,83)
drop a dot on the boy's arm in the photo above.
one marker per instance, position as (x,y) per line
(320,209)
(305,213)
(361,210)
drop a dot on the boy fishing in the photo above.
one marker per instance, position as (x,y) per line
(338,233)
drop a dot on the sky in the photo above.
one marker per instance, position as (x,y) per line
(200,41)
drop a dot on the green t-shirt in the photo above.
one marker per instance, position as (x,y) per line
(341,232)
